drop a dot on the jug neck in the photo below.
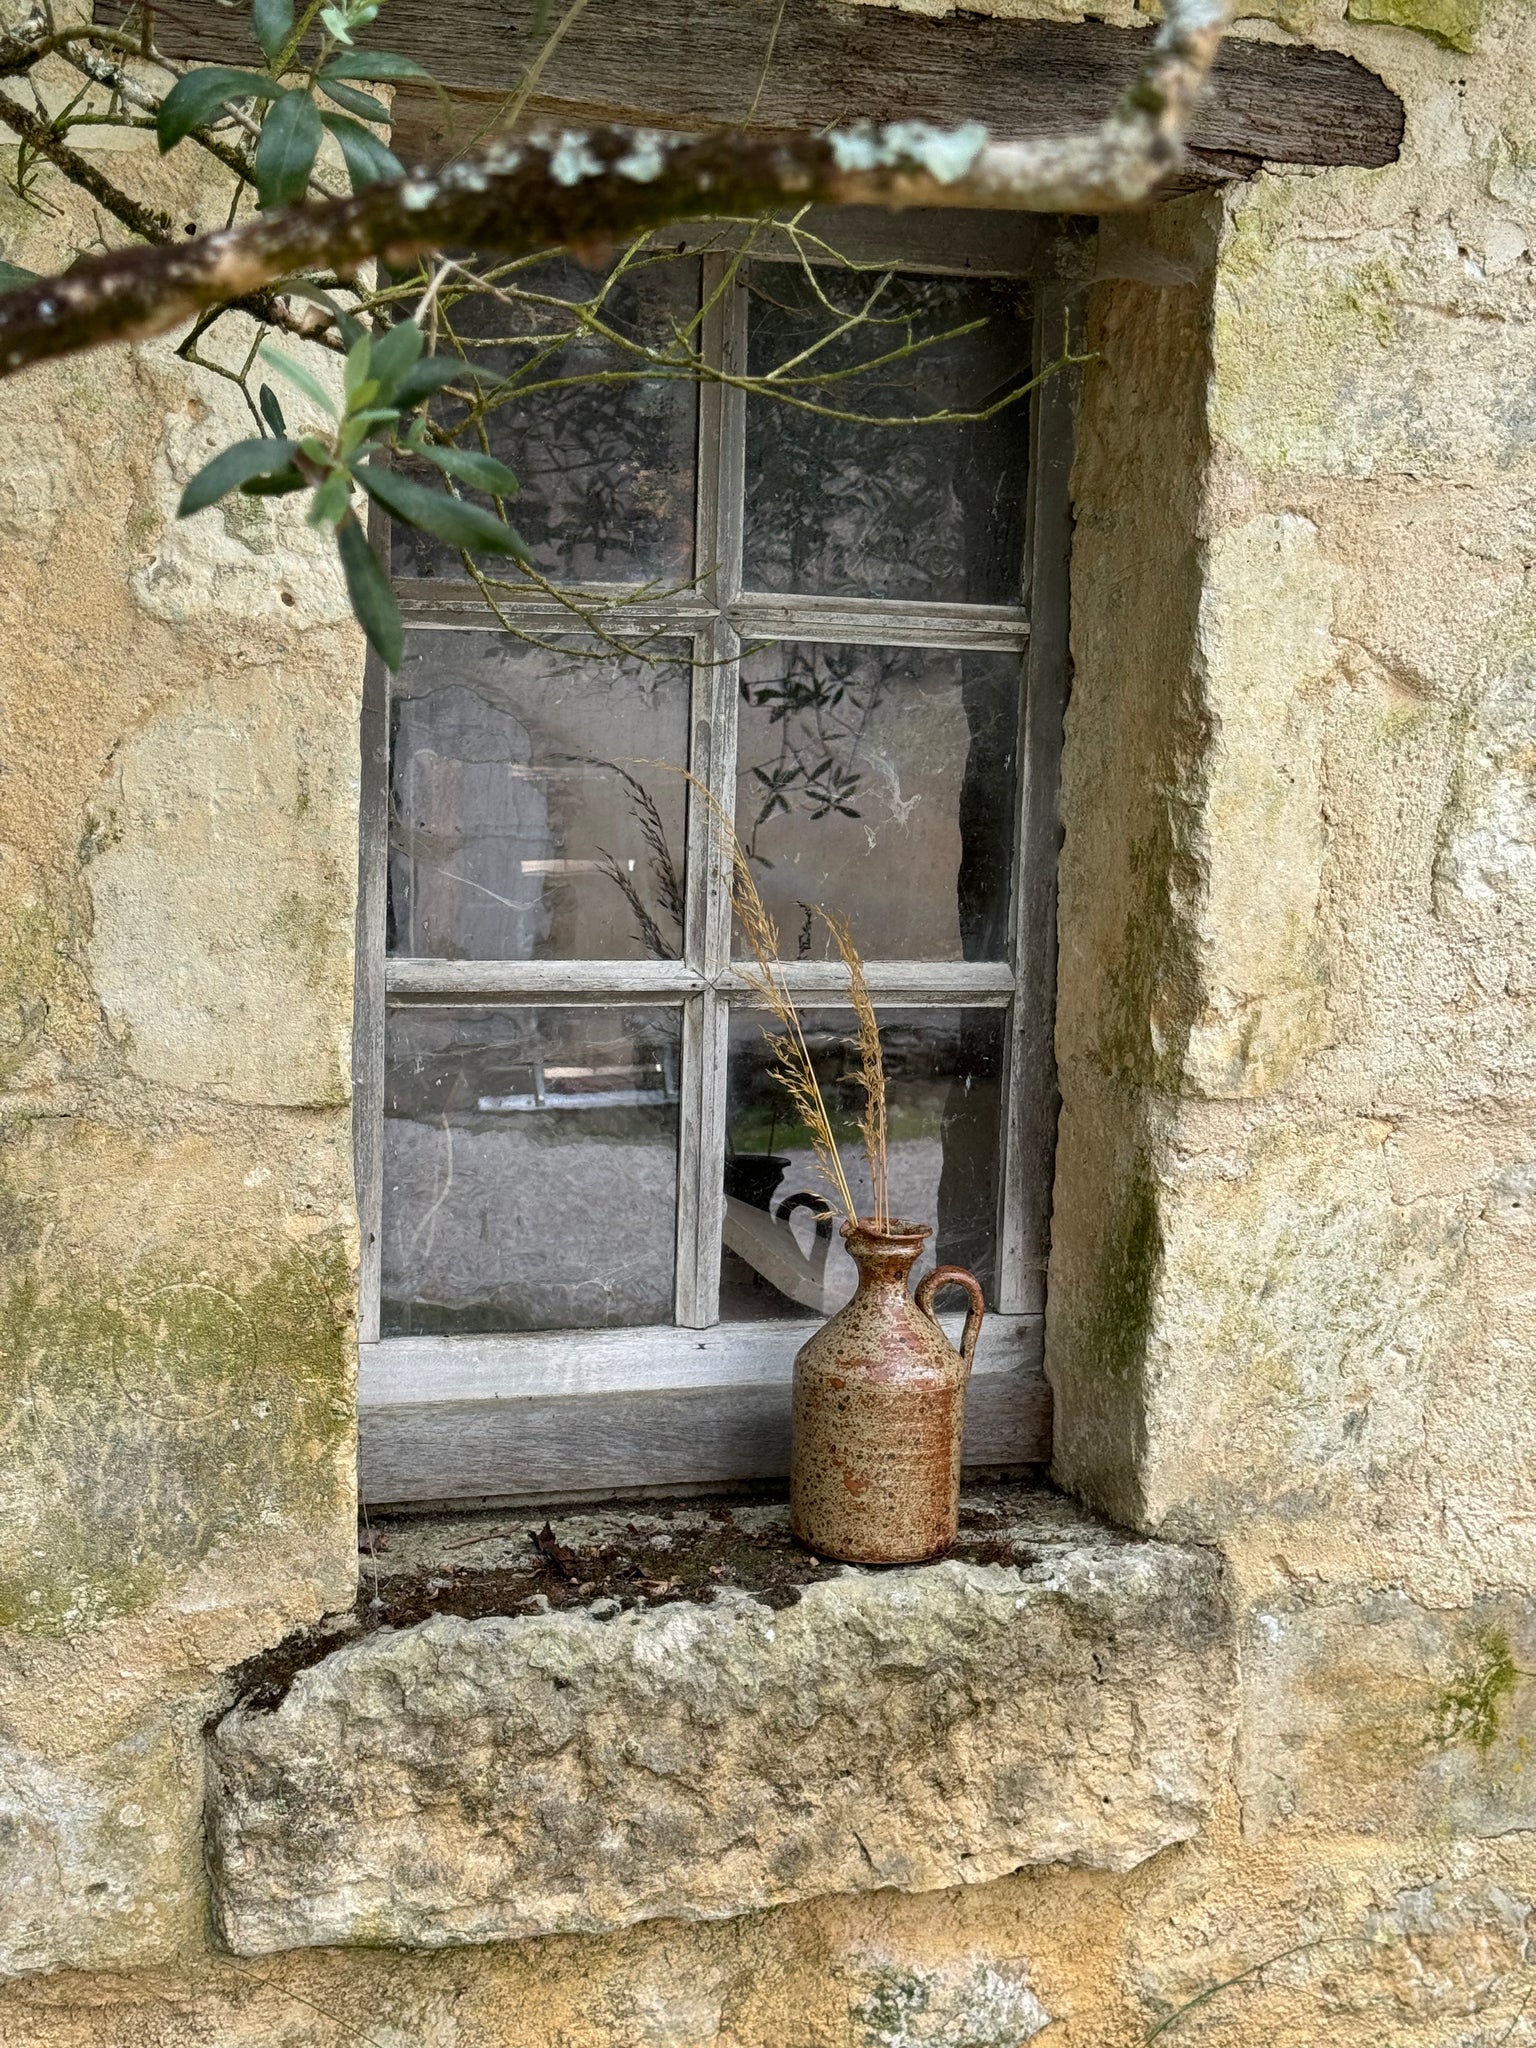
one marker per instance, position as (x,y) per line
(885,1257)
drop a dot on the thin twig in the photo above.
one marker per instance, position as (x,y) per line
(1204,1997)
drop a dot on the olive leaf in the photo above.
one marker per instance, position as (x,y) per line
(373,602)
(298,375)
(376,65)
(435,512)
(368,161)
(232,468)
(363,104)
(272,23)
(482,472)
(193,101)
(291,136)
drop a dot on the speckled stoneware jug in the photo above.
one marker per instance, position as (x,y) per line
(879,1407)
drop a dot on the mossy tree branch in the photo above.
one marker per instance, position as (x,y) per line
(605,186)
(39,135)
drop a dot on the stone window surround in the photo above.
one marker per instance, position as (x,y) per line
(474,1780)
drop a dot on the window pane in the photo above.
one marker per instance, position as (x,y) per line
(525,820)
(606,469)
(880,781)
(943,1080)
(927,512)
(530,1169)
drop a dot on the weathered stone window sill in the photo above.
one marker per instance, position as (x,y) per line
(703,1722)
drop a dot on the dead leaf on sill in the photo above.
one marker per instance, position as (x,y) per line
(549,1546)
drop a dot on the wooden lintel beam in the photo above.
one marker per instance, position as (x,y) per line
(693,63)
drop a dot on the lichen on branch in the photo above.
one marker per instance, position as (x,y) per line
(604,186)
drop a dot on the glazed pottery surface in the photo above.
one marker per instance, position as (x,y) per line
(879,1407)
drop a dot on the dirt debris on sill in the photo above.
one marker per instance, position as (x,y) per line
(502,1562)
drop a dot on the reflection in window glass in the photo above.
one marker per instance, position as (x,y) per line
(879,781)
(841,509)
(526,819)
(944,1077)
(605,469)
(530,1169)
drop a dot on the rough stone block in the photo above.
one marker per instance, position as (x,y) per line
(1370,1712)
(465,1781)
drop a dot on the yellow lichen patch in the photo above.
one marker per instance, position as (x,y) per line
(1454,23)
(147,1419)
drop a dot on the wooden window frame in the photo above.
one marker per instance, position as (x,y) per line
(698,1403)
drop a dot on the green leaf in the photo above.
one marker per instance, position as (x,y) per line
(373,602)
(271,411)
(484,472)
(304,379)
(193,101)
(234,467)
(272,21)
(360,427)
(290,141)
(434,512)
(431,375)
(356,372)
(367,159)
(332,502)
(379,65)
(395,352)
(277,486)
(355,432)
(361,103)
(13,277)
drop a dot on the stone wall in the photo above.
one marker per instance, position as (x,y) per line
(1291,1291)
(178,805)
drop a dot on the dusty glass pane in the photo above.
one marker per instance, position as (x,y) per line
(530,1169)
(943,1076)
(606,468)
(527,820)
(931,512)
(879,781)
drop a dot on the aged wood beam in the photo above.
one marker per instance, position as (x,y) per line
(693,63)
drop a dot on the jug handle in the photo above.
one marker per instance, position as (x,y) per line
(955,1276)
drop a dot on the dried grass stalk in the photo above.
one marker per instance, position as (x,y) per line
(791,1064)
(871,1068)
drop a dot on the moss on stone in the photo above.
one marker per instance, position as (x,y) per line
(1404,724)
(148,1420)
(1469,1708)
(893,2001)
(1451,23)
(307,928)
(1125,1290)
(1293,325)
(32,945)
(1153,983)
